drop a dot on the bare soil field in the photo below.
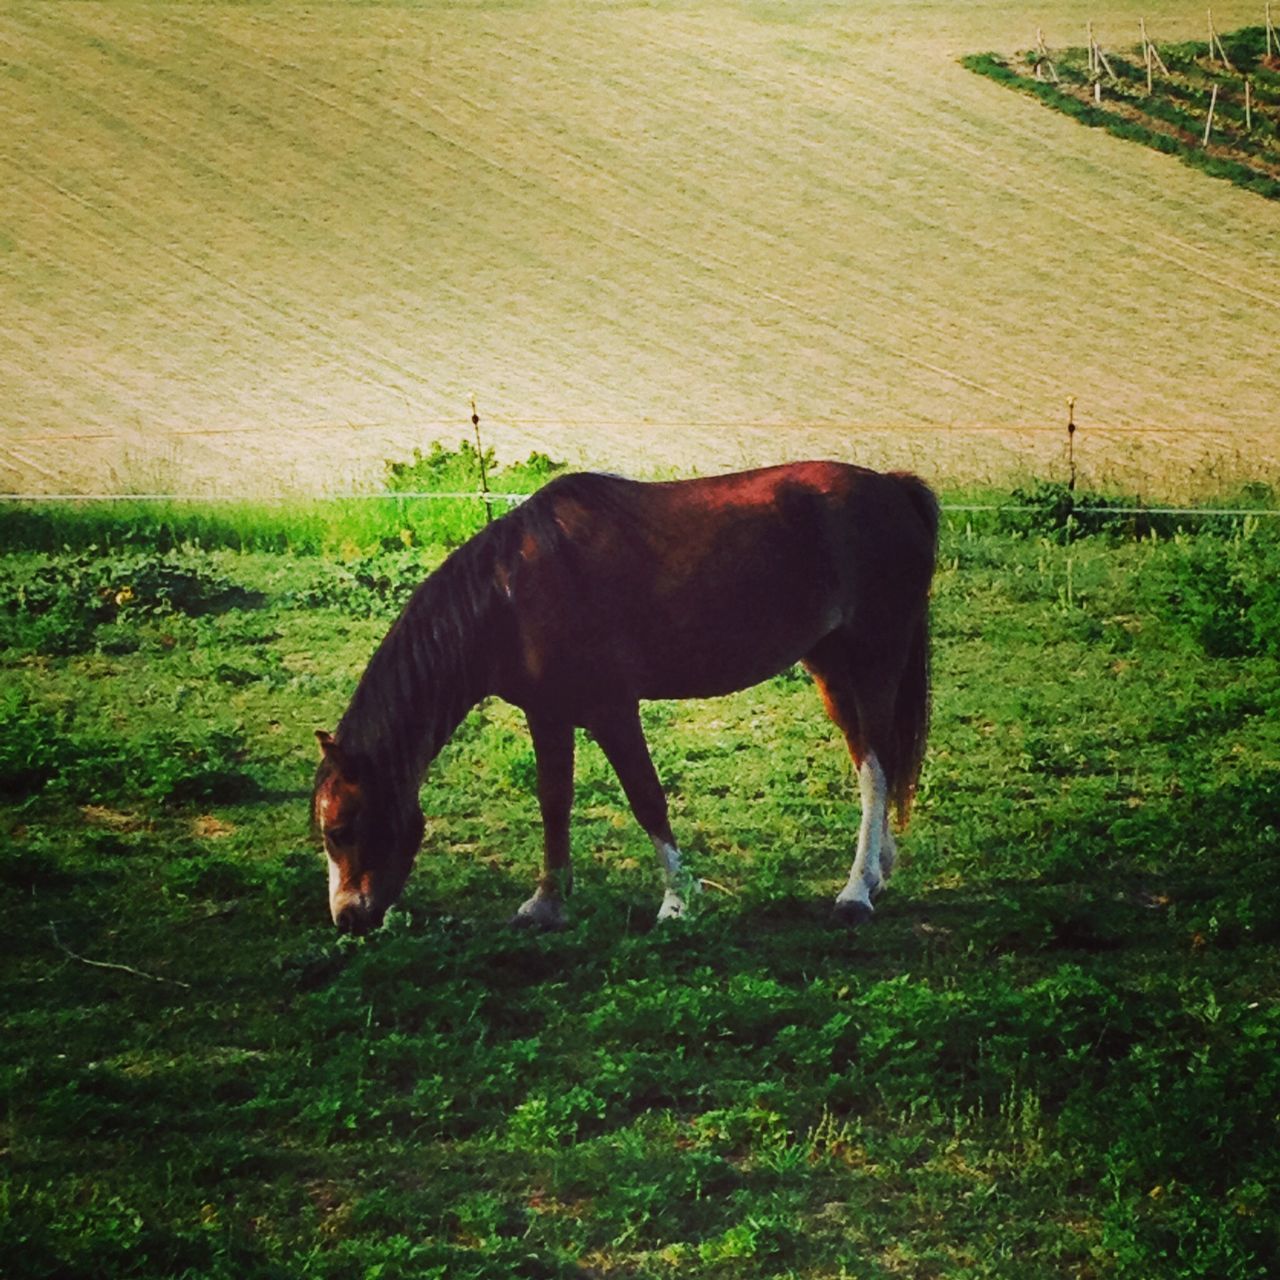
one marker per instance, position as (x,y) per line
(251,248)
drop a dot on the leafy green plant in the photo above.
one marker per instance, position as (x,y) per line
(463,469)
(1052,509)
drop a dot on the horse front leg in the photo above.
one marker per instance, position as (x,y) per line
(553,747)
(621,738)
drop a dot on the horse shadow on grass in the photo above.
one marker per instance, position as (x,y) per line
(1041,921)
(790,936)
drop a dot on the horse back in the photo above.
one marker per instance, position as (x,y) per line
(622,589)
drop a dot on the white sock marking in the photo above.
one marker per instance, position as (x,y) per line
(865,878)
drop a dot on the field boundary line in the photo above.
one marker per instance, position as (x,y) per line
(514,499)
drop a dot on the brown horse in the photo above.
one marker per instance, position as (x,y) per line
(599,592)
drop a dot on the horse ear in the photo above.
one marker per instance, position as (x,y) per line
(330,750)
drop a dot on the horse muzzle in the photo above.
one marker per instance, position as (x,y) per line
(356,915)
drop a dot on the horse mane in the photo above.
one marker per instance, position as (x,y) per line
(432,666)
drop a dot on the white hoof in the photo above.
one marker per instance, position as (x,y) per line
(673,907)
(542,911)
(676,901)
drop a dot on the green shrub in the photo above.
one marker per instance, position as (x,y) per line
(465,471)
(1226,594)
(1053,510)
(459,470)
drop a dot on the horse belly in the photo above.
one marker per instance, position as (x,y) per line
(708,652)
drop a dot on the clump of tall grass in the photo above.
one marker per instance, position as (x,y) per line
(303,526)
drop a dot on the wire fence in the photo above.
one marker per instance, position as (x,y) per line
(1255,455)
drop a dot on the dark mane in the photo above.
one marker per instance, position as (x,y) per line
(433,664)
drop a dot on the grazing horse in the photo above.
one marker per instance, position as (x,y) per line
(599,592)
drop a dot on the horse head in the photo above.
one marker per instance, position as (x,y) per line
(371,836)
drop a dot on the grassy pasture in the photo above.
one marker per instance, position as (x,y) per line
(1054,1054)
(254,246)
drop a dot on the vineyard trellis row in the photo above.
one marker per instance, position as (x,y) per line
(1215,103)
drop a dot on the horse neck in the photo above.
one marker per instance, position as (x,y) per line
(431,668)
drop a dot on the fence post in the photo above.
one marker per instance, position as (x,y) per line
(1215,42)
(1071,443)
(484,476)
(1208,124)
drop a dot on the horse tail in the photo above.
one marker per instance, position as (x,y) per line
(925,502)
(911,709)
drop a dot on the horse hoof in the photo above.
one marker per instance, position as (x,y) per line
(851,913)
(673,908)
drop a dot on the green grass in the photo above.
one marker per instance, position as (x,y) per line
(1055,1053)
(389,516)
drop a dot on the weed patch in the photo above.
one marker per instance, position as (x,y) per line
(57,604)
(1226,593)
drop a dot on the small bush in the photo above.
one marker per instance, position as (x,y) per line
(462,471)
(459,470)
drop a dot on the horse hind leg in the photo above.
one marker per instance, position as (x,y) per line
(621,738)
(860,703)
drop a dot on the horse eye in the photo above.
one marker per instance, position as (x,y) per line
(340,834)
